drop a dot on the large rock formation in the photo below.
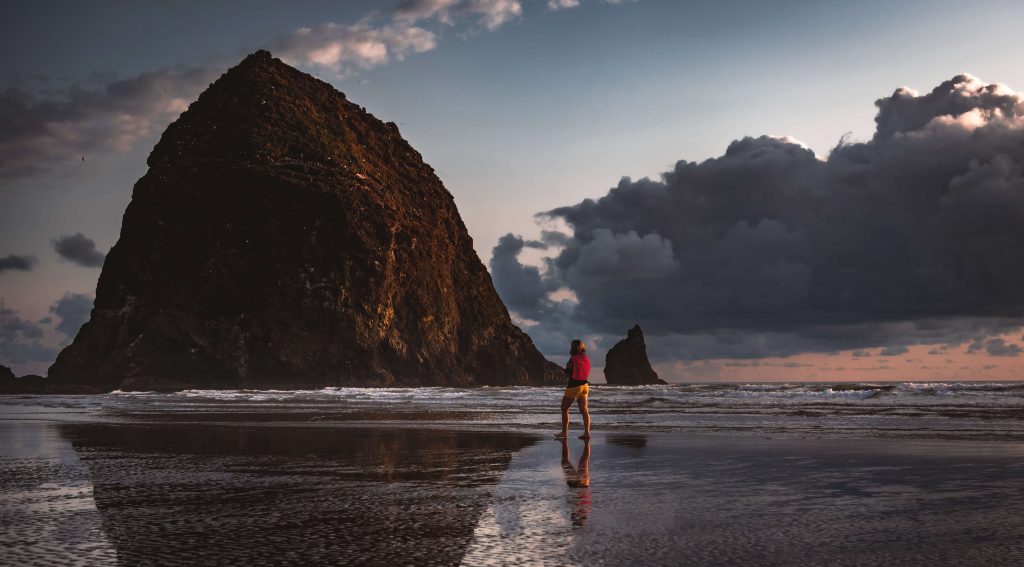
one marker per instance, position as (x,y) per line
(284,237)
(626,363)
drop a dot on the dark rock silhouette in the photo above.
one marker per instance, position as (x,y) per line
(36,384)
(626,364)
(284,237)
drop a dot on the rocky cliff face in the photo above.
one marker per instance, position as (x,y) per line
(626,363)
(284,237)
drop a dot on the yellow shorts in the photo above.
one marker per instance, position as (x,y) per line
(577,392)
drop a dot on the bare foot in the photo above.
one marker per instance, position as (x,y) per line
(562,435)
(584,436)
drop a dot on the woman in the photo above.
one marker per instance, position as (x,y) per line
(576,388)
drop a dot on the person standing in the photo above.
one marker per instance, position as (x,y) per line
(576,388)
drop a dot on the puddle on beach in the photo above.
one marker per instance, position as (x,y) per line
(164,493)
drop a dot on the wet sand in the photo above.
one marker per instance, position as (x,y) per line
(204,494)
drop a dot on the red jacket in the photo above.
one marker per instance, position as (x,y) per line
(578,369)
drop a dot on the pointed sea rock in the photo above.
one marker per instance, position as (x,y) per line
(284,237)
(626,364)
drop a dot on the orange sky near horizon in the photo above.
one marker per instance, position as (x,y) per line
(919,363)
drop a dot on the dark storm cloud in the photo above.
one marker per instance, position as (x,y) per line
(996,346)
(17,262)
(80,250)
(526,292)
(521,287)
(910,238)
(19,340)
(73,310)
(43,132)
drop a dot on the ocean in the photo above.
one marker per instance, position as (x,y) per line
(948,410)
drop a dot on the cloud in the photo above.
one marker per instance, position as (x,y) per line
(46,128)
(895,350)
(19,340)
(73,310)
(909,238)
(491,14)
(522,288)
(361,45)
(368,43)
(555,5)
(79,250)
(529,293)
(994,347)
(562,4)
(52,133)
(17,262)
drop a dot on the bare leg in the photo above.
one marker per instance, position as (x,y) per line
(585,412)
(566,404)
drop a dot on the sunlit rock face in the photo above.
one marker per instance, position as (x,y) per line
(284,237)
(627,364)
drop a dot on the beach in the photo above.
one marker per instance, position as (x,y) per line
(275,478)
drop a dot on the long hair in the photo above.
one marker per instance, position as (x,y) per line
(577,347)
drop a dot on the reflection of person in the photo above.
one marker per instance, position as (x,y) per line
(578,478)
(576,388)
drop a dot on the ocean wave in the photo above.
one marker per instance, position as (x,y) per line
(998,393)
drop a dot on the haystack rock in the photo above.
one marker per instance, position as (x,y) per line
(626,363)
(284,237)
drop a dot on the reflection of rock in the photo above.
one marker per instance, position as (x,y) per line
(626,363)
(284,237)
(297,495)
(46,503)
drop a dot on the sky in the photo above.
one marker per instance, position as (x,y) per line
(745,180)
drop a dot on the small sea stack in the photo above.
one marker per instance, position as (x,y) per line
(284,237)
(626,364)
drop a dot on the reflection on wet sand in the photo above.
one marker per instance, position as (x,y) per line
(47,512)
(159,493)
(199,494)
(578,479)
(631,440)
(540,509)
